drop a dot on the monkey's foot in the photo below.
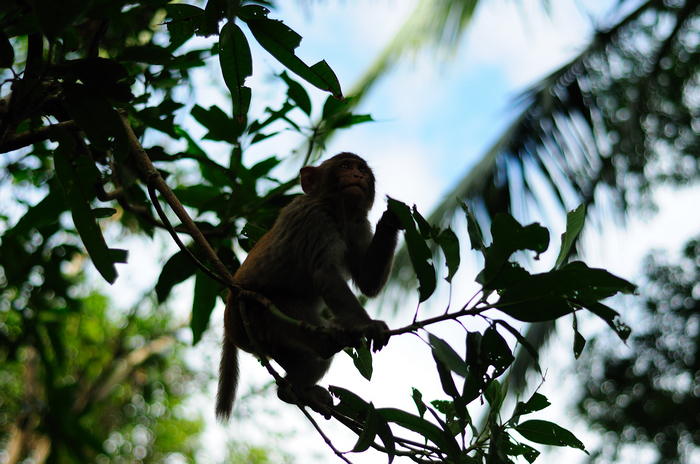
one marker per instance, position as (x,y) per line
(315,397)
(318,399)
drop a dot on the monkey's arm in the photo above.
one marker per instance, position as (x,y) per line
(348,313)
(373,273)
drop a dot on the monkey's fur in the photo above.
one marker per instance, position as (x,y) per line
(319,241)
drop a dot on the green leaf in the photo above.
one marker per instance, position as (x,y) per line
(508,237)
(509,275)
(547,296)
(263,167)
(444,352)
(83,217)
(537,402)
(353,406)
(609,315)
(186,20)
(221,127)
(369,430)
(236,66)
(548,433)
(362,359)
(495,352)
(7,53)
(333,107)
(579,341)
(418,400)
(449,243)
(119,255)
(442,438)
(524,343)
(205,291)
(448,384)
(418,250)
(96,116)
(103,212)
(176,270)
(297,93)
(574,223)
(214,12)
(471,388)
(108,77)
(476,237)
(350,119)
(473,360)
(151,54)
(423,226)
(281,41)
(350,404)
(520,449)
(494,395)
(200,196)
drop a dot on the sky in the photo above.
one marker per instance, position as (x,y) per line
(434,120)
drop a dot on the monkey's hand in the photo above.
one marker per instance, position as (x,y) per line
(391,219)
(377,334)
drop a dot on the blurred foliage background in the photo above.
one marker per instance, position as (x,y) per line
(81,382)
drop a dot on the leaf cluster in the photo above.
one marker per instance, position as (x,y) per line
(86,83)
(448,426)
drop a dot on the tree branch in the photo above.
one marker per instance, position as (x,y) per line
(17,141)
(156,181)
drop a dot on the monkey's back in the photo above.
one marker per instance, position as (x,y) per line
(308,240)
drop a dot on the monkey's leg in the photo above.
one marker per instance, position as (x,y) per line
(304,369)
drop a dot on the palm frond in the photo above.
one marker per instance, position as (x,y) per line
(621,117)
(615,120)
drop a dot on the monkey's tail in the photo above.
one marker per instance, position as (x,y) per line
(228,380)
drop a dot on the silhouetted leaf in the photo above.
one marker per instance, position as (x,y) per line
(205,291)
(548,433)
(186,20)
(449,243)
(297,93)
(418,250)
(508,237)
(442,438)
(281,41)
(574,223)
(362,359)
(236,66)
(176,270)
(83,217)
(543,297)
(476,237)
(151,54)
(445,353)
(369,430)
(96,116)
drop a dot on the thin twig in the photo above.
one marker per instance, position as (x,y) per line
(155,179)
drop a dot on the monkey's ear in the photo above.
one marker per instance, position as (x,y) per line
(308,178)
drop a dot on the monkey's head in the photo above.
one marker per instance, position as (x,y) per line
(345,177)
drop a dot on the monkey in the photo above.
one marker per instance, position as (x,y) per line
(318,242)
